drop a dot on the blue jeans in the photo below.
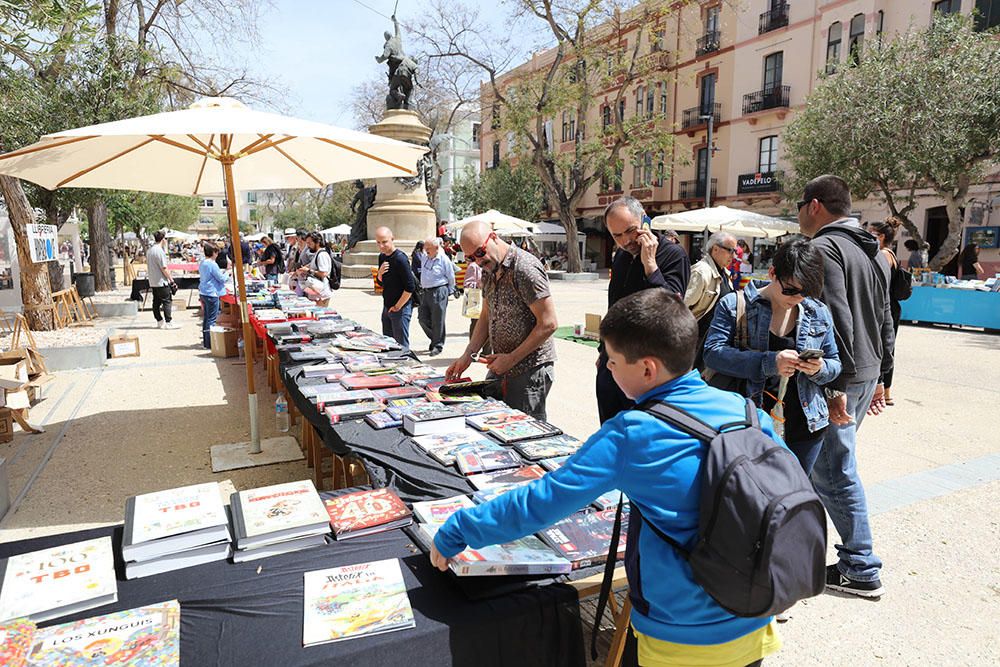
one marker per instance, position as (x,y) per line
(807,451)
(210,305)
(397,324)
(835,476)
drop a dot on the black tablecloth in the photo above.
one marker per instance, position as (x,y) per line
(233,615)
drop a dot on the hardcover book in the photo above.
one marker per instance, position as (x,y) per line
(382,420)
(366,512)
(527,555)
(343,397)
(437,441)
(471,460)
(368,382)
(354,601)
(584,538)
(477,407)
(553,463)
(143,637)
(339,413)
(58,581)
(285,547)
(486,421)
(515,476)
(16,638)
(178,560)
(527,429)
(424,420)
(173,520)
(436,512)
(547,448)
(278,512)
(447,454)
(398,392)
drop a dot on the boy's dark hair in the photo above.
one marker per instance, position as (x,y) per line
(831,191)
(653,323)
(799,260)
(158,235)
(210,249)
(911,245)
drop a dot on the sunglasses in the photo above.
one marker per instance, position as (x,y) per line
(481,251)
(789,291)
(806,201)
(731,251)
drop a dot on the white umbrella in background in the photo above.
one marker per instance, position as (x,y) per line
(736,221)
(180,236)
(339,230)
(214,146)
(503,224)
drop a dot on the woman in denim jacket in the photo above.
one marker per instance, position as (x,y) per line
(783,318)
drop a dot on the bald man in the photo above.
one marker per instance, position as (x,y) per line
(517,317)
(397,281)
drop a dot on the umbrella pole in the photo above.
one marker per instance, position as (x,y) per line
(248,341)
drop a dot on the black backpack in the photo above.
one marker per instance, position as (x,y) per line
(761,543)
(900,281)
(335,272)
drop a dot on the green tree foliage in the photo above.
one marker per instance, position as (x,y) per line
(149,211)
(516,191)
(919,112)
(244,227)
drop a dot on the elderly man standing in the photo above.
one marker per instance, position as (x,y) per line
(437,283)
(710,281)
(517,317)
(644,260)
(397,280)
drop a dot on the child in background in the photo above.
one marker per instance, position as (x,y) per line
(650,338)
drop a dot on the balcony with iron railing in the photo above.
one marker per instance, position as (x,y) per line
(693,117)
(774,18)
(696,189)
(773,97)
(707,43)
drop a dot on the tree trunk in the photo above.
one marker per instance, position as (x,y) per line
(100,245)
(36,295)
(949,248)
(572,248)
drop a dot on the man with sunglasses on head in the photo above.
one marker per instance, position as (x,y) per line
(856,289)
(643,260)
(710,281)
(517,317)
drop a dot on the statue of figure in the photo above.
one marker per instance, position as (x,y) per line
(402,69)
(363,200)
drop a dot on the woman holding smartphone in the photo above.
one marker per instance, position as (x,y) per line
(790,350)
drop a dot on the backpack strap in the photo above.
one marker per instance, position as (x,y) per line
(609,569)
(751,420)
(681,419)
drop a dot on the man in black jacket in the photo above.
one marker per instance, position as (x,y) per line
(856,289)
(643,260)
(396,276)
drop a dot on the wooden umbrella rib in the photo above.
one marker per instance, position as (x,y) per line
(35,149)
(265,146)
(204,161)
(200,142)
(104,162)
(293,161)
(175,144)
(364,154)
(263,138)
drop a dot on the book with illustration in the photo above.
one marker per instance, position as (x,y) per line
(584,538)
(366,512)
(362,381)
(488,420)
(527,429)
(432,418)
(278,512)
(398,392)
(436,512)
(382,420)
(442,446)
(515,476)
(348,411)
(526,556)
(342,397)
(146,636)
(471,460)
(547,448)
(16,637)
(173,520)
(553,463)
(354,601)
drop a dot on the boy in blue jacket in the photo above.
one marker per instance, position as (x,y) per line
(651,339)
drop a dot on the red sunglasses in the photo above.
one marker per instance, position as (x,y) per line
(481,251)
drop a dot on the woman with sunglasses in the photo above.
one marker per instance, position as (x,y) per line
(783,319)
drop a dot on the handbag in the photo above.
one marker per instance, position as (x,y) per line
(741,341)
(472,302)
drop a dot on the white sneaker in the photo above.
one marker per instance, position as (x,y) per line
(159,324)
(171,325)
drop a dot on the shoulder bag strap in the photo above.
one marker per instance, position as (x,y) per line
(742,326)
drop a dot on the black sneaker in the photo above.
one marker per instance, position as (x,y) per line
(838,582)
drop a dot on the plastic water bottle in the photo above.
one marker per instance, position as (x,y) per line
(239,348)
(281,413)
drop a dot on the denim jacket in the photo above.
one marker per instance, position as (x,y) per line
(815,330)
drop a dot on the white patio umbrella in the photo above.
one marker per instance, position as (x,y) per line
(737,221)
(209,148)
(501,223)
(339,230)
(175,234)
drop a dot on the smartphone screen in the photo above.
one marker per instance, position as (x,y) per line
(811,354)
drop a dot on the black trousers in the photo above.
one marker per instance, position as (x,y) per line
(896,310)
(162,299)
(610,398)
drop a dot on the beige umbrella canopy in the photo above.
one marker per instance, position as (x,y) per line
(501,223)
(722,218)
(209,148)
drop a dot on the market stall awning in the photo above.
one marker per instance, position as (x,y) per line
(339,230)
(503,224)
(738,222)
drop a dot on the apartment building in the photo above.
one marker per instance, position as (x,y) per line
(214,210)
(461,151)
(748,70)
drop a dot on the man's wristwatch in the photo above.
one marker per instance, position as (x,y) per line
(833,393)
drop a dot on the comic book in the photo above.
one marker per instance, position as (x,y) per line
(585,537)
(515,476)
(526,429)
(278,512)
(173,520)
(16,637)
(486,421)
(436,512)
(553,463)
(547,448)
(366,512)
(525,556)
(472,460)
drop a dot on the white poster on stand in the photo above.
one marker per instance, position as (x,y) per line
(42,242)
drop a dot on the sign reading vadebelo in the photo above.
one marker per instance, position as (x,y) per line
(761,181)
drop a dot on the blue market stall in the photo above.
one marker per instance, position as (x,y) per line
(967,307)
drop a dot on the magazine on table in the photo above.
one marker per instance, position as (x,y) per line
(471,459)
(488,420)
(527,429)
(448,454)
(354,601)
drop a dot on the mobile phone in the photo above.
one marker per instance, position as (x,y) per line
(811,354)
(646,222)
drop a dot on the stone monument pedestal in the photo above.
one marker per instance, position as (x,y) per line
(404,210)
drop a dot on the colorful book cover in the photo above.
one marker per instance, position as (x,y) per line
(41,584)
(343,397)
(436,512)
(439,440)
(339,413)
(355,601)
(477,407)
(447,454)
(175,511)
(547,448)
(485,422)
(516,476)
(402,402)
(366,382)
(609,500)
(431,412)
(398,392)
(362,510)
(311,390)
(527,555)
(471,460)
(553,463)
(584,538)
(486,495)
(526,429)
(280,507)
(143,637)
(382,420)
(16,637)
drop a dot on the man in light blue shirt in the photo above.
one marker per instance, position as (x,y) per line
(437,283)
(211,285)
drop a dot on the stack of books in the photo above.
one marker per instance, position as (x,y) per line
(173,529)
(366,512)
(443,447)
(584,538)
(525,556)
(278,519)
(348,411)
(432,418)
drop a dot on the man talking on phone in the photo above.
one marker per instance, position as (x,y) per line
(642,260)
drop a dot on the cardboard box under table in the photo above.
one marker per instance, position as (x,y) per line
(225,341)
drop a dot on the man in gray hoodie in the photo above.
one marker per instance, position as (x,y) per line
(856,289)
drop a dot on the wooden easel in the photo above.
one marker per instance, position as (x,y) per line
(70,309)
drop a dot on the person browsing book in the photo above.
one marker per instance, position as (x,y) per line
(650,339)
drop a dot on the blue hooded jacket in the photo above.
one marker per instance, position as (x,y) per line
(658,467)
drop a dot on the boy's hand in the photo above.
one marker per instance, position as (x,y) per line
(437,560)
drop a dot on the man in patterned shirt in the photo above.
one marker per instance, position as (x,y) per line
(517,317)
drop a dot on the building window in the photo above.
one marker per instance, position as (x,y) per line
(637,170)
(611,63)
(640,95)
(565,126)
(768,154)
(773,71)
(496,153)
(712,19)
(856,38)
(647,169)
(948,6)
(621,110)
(475,135)
(619,176)
(879,26)
(208,203)
(656,41)
(833,47)
(660,172)
(251,197)
(706,101)
(650,100)
(495,116)
(662,86)
(225,203)
(572,126)
(988,15)
(606,116)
